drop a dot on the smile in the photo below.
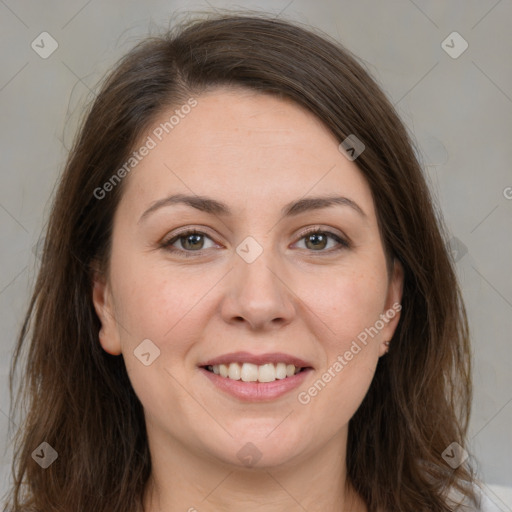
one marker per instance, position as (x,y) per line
(249,372)
(256,377)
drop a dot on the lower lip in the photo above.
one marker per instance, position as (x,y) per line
(256,391)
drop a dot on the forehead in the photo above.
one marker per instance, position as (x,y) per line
(245,148)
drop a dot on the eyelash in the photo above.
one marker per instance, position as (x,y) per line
(167,245)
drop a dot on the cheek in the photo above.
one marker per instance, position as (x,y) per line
(151,301)
(152,306)
(348,302)
(349,305)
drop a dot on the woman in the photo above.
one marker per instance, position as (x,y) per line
(245,300)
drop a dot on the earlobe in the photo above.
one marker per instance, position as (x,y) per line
(101,297)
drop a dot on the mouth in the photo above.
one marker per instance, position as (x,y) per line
(256,378)
(249,372)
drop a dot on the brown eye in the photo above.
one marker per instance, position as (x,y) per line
(317,240)
(187,243)
(192,241)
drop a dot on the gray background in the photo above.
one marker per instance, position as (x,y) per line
(459,110)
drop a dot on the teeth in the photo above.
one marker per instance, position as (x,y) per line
(267,373)
(248,372)
(280,371)
(234,371)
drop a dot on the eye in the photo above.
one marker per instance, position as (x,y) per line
(317,239)
(190,241)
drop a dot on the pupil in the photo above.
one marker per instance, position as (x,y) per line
(195,236)
(316,236)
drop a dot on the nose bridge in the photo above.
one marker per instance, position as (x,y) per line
(257,292)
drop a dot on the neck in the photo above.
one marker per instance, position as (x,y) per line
(193,482)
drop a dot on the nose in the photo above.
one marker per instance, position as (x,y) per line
(258,294)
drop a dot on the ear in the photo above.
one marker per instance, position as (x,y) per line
(103,304)
(393,306)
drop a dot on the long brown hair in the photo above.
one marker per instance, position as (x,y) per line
(79,398)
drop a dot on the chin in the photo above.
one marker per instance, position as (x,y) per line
(260,448)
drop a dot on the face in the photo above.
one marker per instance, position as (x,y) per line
(290,298)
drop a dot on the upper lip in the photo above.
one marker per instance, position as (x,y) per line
(257,359)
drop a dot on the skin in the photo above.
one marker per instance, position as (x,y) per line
(255,153)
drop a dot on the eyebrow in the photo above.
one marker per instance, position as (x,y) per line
(212,206)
